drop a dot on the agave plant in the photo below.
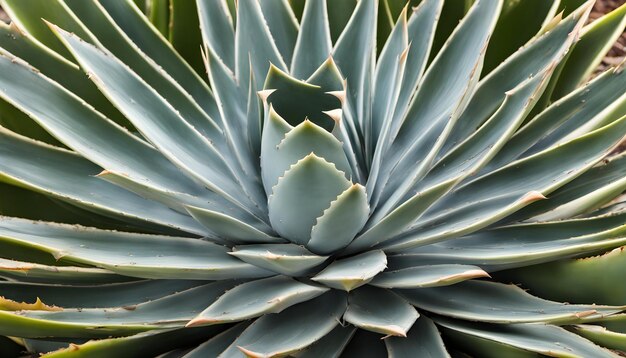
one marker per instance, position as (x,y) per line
(310,179)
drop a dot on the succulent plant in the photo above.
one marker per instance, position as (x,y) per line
(311,179)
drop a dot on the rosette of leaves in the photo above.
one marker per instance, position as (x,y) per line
(311,179)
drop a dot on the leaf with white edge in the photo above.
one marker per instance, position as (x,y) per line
(136,255)
(499,303)
(171,311)
(590,191)
(28,17)
(350,273)
(543,339)
(217,30)
(341,221)
(379,310)
(313,181)
(423,340)
(137,28)
(157,120)
(498,194)
(427,276)
(387,82)
(57,68)
(382,229)
(592,105)
(69,177)
(313,44)
(87,132)
(595,41)
(94,294)
(287,259)
(521,245)
(147,344)
(218,343)
(518,23)
(67,275)
(259,50)
(589,279)
(230,228)
(257,298)
(601,336)
(283,26)
(526,62)
(354,53)
(299,325)
(479,148)
(438,101)
(231,103)
(178,201)
(331,345)
(190,96)
(421,32)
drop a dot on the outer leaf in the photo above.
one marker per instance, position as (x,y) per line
(590,279)
(525,63)
(157,121)
(354,53)
(68,275)
(509,186)
(431,115)
(348,274)
(494,302)
(260,49)
(143,344)
(29,18)
(587,108)
(301,325)
(602,336)
(217,30)
(149,55)
(256,298)
(519,22)
(379,310)
(283,26)
(129,254)
(66,176)
(596,39)
(95,294)
(521,245)
(168,312)
(82,129)
(129,18)
(57,68)
(542,339)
